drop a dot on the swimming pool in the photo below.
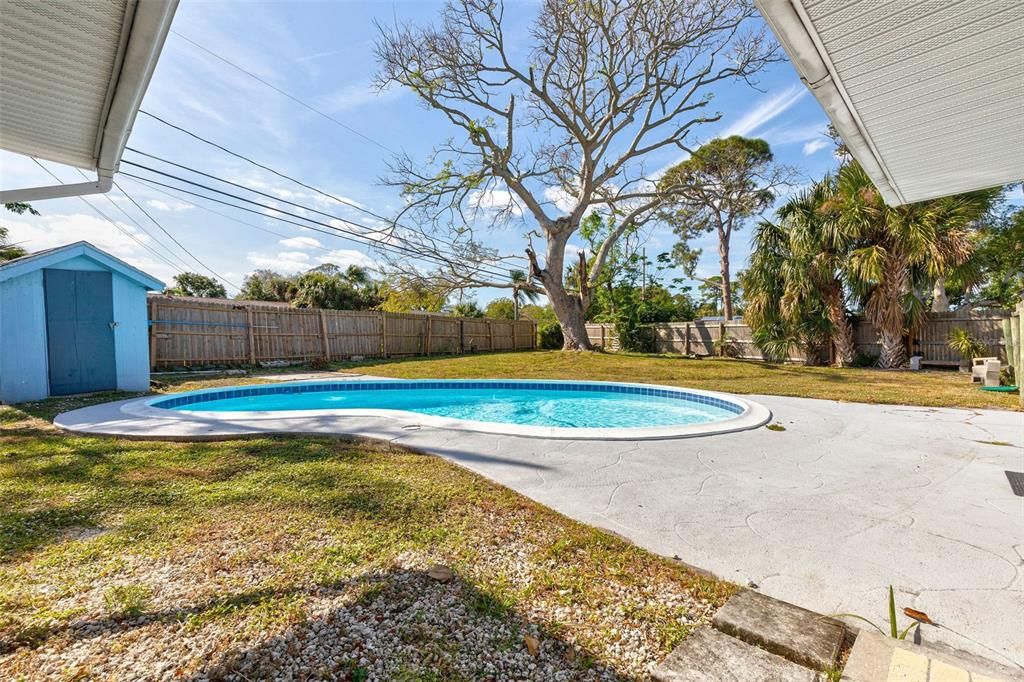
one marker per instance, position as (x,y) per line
(554,409)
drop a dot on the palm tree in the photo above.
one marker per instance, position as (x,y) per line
(900,249)
(519,290)
(819,247)
(796,296)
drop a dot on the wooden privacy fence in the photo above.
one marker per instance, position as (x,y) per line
(187,332)
(702,337)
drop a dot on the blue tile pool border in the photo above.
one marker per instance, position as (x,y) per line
(397,385)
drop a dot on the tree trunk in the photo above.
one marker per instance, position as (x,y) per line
(894,352)
(940,301)
(723,255)
(570,309)
(571,316)
(842,330)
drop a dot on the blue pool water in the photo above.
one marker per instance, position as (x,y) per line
(565,405)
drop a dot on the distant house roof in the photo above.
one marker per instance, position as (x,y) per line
(73,78)
(928,99)
(48,258)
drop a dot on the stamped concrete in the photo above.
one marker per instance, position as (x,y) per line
(797,634)
(711,656)
(848,499)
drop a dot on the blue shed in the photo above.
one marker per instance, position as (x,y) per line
(72,320)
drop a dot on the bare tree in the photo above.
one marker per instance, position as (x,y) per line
(560,124)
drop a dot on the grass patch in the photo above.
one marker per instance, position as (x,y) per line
(240,542)
(775,427)
(926,388)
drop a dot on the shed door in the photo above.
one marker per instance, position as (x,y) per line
(79,334)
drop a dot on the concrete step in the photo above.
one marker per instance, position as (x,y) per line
(708,655)
(796,634)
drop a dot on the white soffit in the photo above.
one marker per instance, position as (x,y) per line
(928,94)
(73,73)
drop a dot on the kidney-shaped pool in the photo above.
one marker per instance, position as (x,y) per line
(552,409)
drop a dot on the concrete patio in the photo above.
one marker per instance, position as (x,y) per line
(825,514)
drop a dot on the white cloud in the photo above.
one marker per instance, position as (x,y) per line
(562,200)
(290,262)
(765,110)
(495,200)
(51,230)
(165,206)
(301,243)
(814,146)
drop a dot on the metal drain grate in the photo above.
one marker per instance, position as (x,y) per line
(1016,482)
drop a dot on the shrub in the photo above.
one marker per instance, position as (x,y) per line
(865,360)
(319,364)
(549,335)
(727,347)
(961,342)
(634,336)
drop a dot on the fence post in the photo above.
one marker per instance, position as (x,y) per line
(462,336)
(515,344)
(426,337)
(686,342)
(1018,370)
(384,335)
(533,344)
(721,339)
(490,337)
(252,336)
(323,333)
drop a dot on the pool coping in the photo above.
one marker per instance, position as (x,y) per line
(753,416)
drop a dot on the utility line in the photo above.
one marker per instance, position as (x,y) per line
(272,197)
(138,224)
(353,236)
(286,177)
(173,239)
(431,255)
(286,94)
(112,222)
(225,215)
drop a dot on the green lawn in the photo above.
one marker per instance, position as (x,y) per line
(928,388)
(124,557)
(239,559)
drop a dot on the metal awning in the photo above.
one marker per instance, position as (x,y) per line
(928,95)
(72,77)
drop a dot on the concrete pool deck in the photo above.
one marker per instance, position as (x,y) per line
(826,514)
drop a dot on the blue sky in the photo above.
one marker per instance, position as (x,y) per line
(322,52)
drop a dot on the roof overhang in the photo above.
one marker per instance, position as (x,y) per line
(73,77)
(929,99)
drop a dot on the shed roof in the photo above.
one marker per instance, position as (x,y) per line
(74,74)
(48,258)
(928,96)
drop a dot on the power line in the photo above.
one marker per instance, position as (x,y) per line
(112,222)
(285,176)
(286,94)
(173,239)
(138,224)
(244,187)
(225,215)
(436,255)
(354,236)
